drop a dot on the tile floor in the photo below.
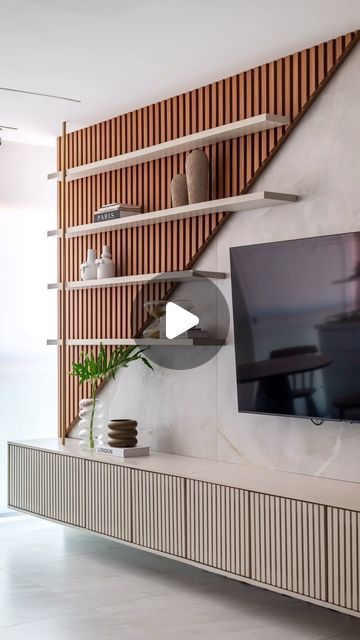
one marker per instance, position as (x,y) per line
(62,584)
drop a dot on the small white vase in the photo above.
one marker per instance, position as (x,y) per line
(88,268)
(105,264)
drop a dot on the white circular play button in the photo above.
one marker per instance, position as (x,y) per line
(178,320)
(186,325)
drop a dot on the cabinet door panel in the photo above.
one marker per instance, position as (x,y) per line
(108,499)
(288,539)
(47,484)
(218,526)
(343,557)
(158,511)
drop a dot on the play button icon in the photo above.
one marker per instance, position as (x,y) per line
(178,320)
(181,325)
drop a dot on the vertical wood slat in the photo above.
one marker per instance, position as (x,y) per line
(282,86)
(218,526)
(154,525)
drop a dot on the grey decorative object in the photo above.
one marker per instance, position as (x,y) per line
(122,433)
(197,176)
(179,192)
(116,210)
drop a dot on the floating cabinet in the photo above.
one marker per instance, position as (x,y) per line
(158,512)
(218,527)
(108,500)
(214,515)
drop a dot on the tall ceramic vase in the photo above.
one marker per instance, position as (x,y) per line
(91,423)
(197,176)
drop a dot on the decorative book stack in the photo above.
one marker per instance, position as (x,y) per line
(116,210)
(123,452)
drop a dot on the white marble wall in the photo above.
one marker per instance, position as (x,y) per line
(194,412)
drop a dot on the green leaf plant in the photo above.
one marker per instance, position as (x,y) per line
(96,369)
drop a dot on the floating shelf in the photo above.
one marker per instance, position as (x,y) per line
(168,276)
(225,132)
(148,342)
(234,204)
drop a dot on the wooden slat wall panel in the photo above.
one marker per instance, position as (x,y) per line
(344,558)
(288,544)
(108,500)
(47,484)
(285,86)
(218,527)
(158,512)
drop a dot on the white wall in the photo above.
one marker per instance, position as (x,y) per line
(194,412)
(28,404)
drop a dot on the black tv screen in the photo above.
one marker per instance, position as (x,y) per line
(296,307)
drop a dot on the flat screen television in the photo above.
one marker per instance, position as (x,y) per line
(296,307)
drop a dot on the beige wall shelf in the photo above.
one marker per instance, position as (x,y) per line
(168,276)
(225,132)
(234,204)
(148,342)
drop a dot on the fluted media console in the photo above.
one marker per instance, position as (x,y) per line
(290,533)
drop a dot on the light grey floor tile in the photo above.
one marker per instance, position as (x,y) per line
(62,584)
(191,614)
(23,601)
(44,542)
(81,625)
(68,572)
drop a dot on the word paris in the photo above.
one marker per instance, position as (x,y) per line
(116,210)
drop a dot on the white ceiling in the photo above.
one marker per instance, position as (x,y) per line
(117,55)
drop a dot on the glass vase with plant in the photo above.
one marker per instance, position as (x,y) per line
(94,369)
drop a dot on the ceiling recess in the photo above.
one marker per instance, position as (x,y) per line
(42,95)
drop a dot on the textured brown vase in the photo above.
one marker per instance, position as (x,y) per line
(122,433)
(179,192)
(197,176)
